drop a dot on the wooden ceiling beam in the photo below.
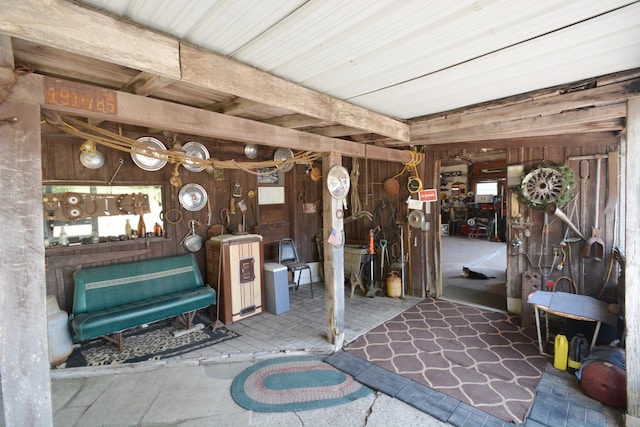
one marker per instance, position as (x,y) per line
(294,121)
(137,110)
(545,106)
(144,84)
(611,125)
(336,131)
(567,140)
(75,28)
(596,119)
(216,72)
(71,27)
(233,107)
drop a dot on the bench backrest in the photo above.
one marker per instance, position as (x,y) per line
(97,288)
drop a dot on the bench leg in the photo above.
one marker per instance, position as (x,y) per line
(186,319)
(115,339)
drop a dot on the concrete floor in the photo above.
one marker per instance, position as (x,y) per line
(194,390)
(480,255)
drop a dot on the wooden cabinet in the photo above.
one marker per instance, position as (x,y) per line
(235,270)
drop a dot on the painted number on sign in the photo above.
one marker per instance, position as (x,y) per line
(79,96)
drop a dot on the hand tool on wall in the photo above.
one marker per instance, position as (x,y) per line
(384,257)
(612,183)
(595,244)
(372,251)
(120,163)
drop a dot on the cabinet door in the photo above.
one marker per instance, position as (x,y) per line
(245,278)
(239,267)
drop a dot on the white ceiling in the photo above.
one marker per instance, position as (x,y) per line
(407,58)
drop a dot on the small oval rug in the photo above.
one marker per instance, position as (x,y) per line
(298,383)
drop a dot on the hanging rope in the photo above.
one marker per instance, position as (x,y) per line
(412,164)
(109,139)
(356,204)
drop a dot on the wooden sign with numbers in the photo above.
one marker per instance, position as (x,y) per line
(80,96)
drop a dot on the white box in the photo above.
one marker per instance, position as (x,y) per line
(484,199)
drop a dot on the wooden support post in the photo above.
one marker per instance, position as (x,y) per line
(422,273)
(632,264)
(26,381)
(333,258)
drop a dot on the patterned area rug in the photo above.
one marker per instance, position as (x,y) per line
(480,357)
(154,342)
(288,384)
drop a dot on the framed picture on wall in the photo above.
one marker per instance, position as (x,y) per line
(270,176)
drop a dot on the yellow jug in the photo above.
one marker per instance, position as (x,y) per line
(561,352)
(394,285)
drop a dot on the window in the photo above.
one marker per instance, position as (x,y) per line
(98,211)
(487,188)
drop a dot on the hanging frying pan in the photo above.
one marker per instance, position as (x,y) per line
(192,241)
(192,197)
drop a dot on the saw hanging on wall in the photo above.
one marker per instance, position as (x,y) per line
(416,218)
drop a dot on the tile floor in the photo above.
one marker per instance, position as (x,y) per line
(304,326)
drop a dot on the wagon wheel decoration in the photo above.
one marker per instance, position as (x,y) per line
(547,184)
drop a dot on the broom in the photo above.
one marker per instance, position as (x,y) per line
(495,238)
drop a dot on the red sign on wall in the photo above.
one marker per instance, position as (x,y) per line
(429,195)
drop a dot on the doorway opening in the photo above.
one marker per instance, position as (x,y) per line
(473,233)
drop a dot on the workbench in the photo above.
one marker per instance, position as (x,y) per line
(570,306)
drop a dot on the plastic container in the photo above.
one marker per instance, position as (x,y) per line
(393,285)
(561,352)
(60,344)
(578,351)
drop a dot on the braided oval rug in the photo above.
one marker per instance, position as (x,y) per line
(299,383)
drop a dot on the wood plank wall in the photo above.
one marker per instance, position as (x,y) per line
(589,276)
(61,165)
(386,210)
(60,162)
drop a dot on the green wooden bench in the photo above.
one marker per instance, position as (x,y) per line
(113,298)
